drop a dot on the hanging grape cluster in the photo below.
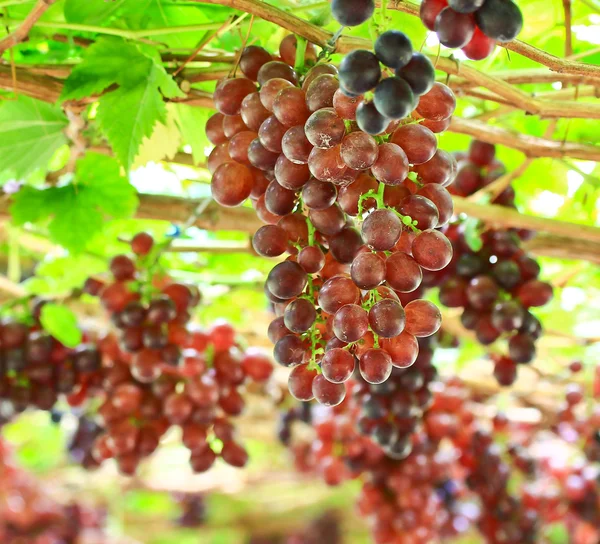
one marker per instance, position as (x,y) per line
(359,215)
(161,372)
(497,285)
(35,368)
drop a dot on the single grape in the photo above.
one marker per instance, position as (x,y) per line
(391,166)
(290,350)
(300,383)
(214,129)
(350,323)
(326,392)
(393,48)
(381,229)
(418,73)
(481,153)
(500,20)
(319,195)
(345,106)
(420,209)
(316,71)
(239,144)
(278,200)
(290,175)
(432,250)
(417,141)
(324,129)
(441,198)
(403,273)
(300,315)
(368,270)
(329,221)
(286,280)
(454,29)
(231,184)
(521,348)
(437,104)
(429,11)
(311,259)
(270,134)
(482,292)
(480,46)
(260,157)
(229,94)
(271,89)
(337,292)
(290,107)
(327,164)
(359,71)
(359,150)
(352,12)
(369,119)
(233,124)
(349,195)
(253,112)
(270,241)
(276,70)
(508,316)
(535,293)
(423,318)
(320,92)
(394,98)
(338,365)
(252,59)
(441,168)
(295,145)
(345,245)
(387,318)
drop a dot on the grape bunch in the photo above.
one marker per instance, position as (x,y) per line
(359,215)
(160,372)
(497,285)
(472,25)
(36,369)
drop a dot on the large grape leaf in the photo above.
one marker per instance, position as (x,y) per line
(76,212)
(91,12)
(129,113)
(109,61)
(30,133)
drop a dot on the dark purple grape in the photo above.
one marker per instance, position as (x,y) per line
(286,280)
(418,73)
(359,71)
(394,49)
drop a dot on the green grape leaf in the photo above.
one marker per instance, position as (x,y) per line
(31,132)
(91,13)
(473,234)
(61,323)
(76,212)
(108,61)
(129,113)
(189,119)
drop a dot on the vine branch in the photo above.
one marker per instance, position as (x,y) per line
(22,32)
